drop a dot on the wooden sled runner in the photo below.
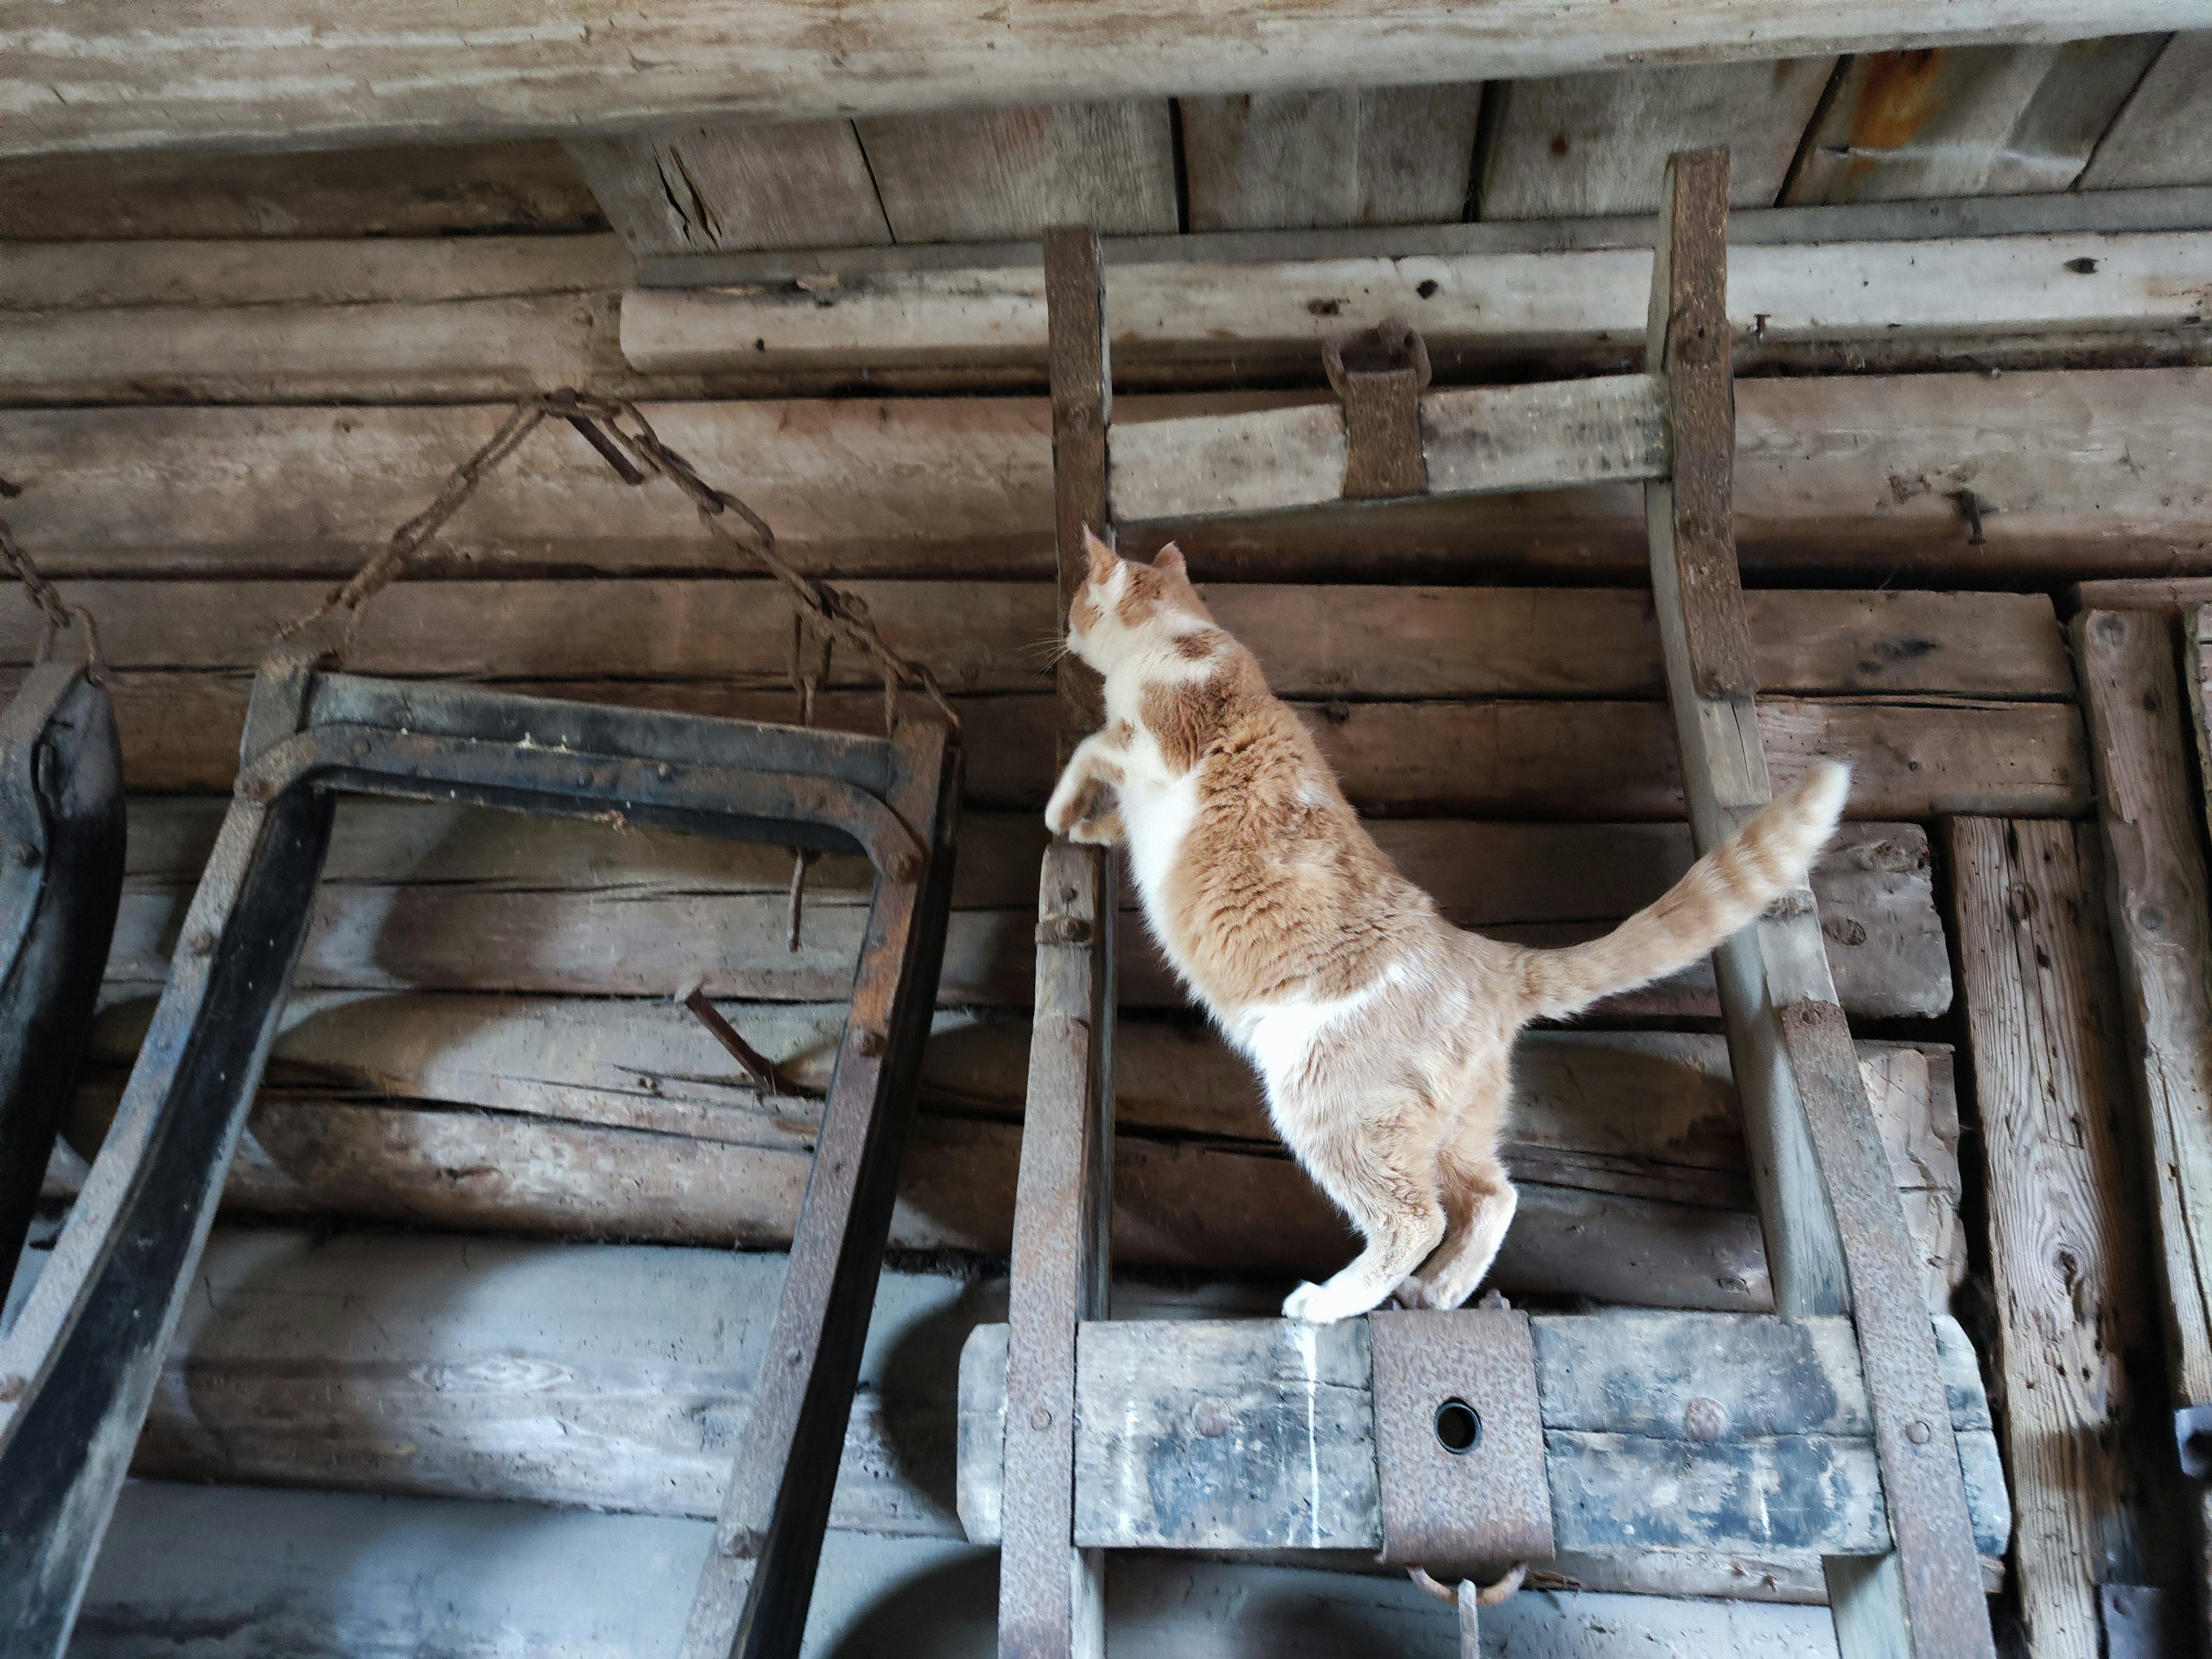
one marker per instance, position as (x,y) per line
(80,1365)
(1465,1443)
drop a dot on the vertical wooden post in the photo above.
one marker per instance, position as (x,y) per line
(1051,1595)
(1835,1237)
(2160,905)
(2065,1223)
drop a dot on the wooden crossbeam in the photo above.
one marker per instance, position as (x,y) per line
(1657,1427)
(264,81)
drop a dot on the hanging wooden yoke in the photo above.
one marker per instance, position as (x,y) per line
(61,877)
(1846,1434)
(80,1364)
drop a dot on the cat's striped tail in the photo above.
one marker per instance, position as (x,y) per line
(1723,891)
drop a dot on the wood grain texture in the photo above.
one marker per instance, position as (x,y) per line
(1292,159)
(1580,145)
(1246,1434)
(1567,307)
(1007,174)
(2087,474)
(1995,119)
(264,86)
(2159,136)
(2157,893)
(2072,1288)
(430,190)
(703,190)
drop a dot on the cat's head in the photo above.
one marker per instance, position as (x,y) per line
(1125,611)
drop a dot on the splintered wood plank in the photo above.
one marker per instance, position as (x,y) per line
(1579,145)
(2164,134)
(990,175)
(429,190)
(2161,923)
(724,189)
(1965,121)
(1293,160)
(2072,1288)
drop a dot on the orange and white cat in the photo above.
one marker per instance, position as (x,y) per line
(1382,1034)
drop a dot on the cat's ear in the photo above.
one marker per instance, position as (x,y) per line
(1170,559)
(1102,557)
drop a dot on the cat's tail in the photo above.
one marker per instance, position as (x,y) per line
(1723,891)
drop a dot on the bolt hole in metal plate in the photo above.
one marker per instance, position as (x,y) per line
(1459,1444)
(1459,1427)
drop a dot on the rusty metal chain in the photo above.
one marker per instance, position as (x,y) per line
(625,439)
(59,613)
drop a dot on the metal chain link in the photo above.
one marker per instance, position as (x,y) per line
(59,613)
(620,432)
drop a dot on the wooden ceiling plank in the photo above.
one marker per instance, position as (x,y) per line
(2001,120)
(1575,146)
(735,188)
(979,175)
(1305,160)
(2164,135)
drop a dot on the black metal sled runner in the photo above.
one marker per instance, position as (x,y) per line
(78,1368)
(61,875)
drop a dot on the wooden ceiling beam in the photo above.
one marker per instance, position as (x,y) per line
(310,74)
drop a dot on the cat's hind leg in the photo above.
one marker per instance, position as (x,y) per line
(1480,1202)
(1381,1173)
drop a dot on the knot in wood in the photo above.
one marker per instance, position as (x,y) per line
(1706,1418)
(1063,930)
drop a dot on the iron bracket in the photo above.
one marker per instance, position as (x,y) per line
(1459,1443)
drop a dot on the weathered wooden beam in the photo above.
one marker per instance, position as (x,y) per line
(1549,761)
(440,898)
(1835,1234)
(105,84)
(2081,474)
(1052,1594)
(1313,641)
(2162,920)
(1485,440)
(2159,135)
(1506,304)
(424,190)
(1711,1433)
(2072,1289)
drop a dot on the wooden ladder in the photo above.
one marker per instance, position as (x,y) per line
(1838,1254)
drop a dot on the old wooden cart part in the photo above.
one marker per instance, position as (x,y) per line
(80,1364)
(1903,1563)
(1621,1433)
(61,877)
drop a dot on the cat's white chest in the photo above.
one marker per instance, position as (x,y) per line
(1156,816)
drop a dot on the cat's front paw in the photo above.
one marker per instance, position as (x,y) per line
(1100,830)
(1324,1304)
(1070,803)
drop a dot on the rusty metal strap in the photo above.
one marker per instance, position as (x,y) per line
(1459,1441)
(1922,1488)
(1382,415)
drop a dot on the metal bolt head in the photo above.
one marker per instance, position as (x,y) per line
(201,943)
(1040,1418)
(259,790)
(871,1045)
(1211,1417)
(1919,1434)
(1706,1418)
